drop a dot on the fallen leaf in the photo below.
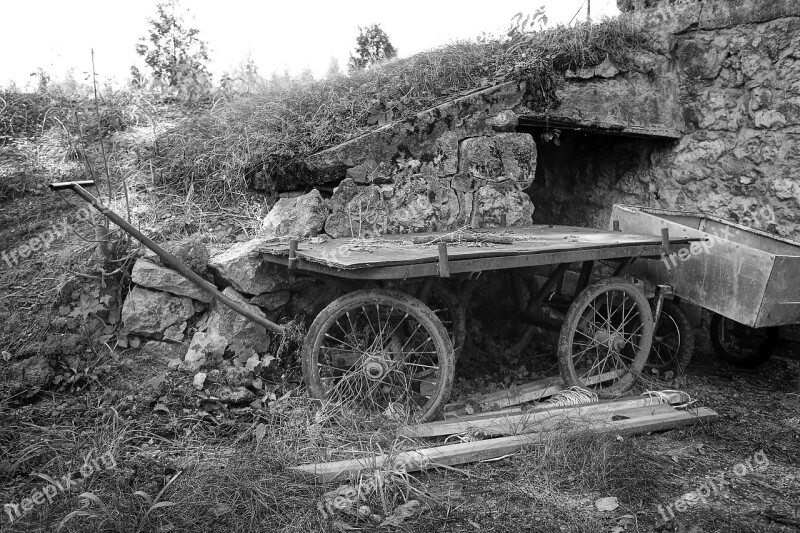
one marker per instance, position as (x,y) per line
(608,503)
(6,356)
(156,381)
(261,430)
(219,509)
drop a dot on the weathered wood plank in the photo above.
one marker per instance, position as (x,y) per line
(515,423)
(516,395)
(468,452)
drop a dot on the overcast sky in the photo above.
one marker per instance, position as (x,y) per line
(56,35)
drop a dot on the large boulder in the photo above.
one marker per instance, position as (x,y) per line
(499,157)
(229,324)
(242,266)
(149,313)
(356,210)
(156,277)
(299,217)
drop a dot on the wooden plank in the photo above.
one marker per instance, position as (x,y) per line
(524,393)
(453,454)
(512,423)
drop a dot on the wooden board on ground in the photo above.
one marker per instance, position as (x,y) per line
(518,423)
(467,452)
(515,395)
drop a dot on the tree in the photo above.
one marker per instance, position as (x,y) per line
(373,46)
(334,70)
(174,52)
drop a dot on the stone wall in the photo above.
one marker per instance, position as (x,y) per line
(737,64)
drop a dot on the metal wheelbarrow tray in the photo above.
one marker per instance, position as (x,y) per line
(741,273)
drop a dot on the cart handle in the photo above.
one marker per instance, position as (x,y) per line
(71,184)
(166,257)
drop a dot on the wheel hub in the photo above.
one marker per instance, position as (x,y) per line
(375,368)
(612,341)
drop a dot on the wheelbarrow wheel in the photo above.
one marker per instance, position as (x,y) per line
(379,352)
(673,341)
(606,336)
(742,345)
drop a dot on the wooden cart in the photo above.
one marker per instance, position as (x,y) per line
(387,351)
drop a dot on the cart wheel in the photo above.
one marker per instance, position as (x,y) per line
(606,337)
(490,330)
(673,341)
(448,308)
(742,345)
(382,351)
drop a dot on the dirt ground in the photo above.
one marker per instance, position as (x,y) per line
(182,462)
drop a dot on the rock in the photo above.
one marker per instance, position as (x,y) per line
(152,276)
(204,346)
(233,326)
(236,395)
(500,157)
(199,380)
(493,201)
(166,351)
(242,267)
(271,301)
(192,252)
(356,211)
(148,313)
(504,121)
(237,376)
(27,376)
(175,333)
(299,217)
(606,69)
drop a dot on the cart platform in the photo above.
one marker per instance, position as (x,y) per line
(418,255)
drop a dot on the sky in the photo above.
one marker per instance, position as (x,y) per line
(56,36)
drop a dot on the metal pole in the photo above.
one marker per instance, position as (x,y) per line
(165,256)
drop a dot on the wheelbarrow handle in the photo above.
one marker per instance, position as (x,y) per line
(71,184)
(166,257)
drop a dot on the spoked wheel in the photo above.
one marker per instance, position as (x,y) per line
(448,308)
(742,345)
(673,341)
(606,337)
(382,352)
(489,302)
